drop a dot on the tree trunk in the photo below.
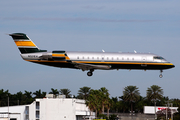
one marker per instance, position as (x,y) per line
(96,114)
(103,109)
(108,113)
(131,107)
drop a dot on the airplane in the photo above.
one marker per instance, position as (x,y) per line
(89,61)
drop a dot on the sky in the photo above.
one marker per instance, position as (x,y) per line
(90,25)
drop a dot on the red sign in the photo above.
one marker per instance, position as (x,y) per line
(161,108)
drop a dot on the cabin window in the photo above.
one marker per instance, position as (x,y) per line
(117,58)
(112,58)
(87,57)
(92,57)
(127,58)
(82,57)
(132,58)
(107,58)
(122,58)
(98,58)
(78,57)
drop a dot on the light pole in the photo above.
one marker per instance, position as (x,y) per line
(166,111)
(8,108)
(155,110)
(171,111)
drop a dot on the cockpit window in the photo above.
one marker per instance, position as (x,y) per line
(158,57)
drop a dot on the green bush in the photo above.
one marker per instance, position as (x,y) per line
(102,116)
(113,117)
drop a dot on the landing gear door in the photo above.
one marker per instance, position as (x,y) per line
(144,59)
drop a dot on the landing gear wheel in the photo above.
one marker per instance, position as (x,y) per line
(89,73)
(161,74)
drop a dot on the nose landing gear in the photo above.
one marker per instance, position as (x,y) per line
(90,73)
(161,74)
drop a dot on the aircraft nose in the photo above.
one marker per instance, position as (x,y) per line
(172,65)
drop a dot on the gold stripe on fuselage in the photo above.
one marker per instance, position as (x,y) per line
(24,43)
(93,62)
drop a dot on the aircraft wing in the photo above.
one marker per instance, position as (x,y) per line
(85,66)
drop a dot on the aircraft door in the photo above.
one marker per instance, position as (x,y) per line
(102,58)
(144,59)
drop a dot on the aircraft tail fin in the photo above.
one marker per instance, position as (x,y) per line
(24,43)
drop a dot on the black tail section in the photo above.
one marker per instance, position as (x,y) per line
(25,44)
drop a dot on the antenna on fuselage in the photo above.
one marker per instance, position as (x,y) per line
(135,51)
(103,50)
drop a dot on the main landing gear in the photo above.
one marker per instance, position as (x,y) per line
(161,74)
(90,73)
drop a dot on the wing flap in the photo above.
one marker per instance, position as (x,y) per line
(85,66)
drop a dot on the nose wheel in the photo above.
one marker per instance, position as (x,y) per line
(161,74)
(90,73)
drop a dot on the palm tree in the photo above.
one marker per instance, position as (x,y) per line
(90,102)
(54,92)
(104,96)
(114,106)
(65,92)
(3,97)
(108,104)
(28,94)
(43,94)
(123,105)
(93,101)
(38,94)
(20,98)
(28,97)
(154,93)
(140,104)
(98,100)
(131,94)
(84,92)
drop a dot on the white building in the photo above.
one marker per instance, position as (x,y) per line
(48,109)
